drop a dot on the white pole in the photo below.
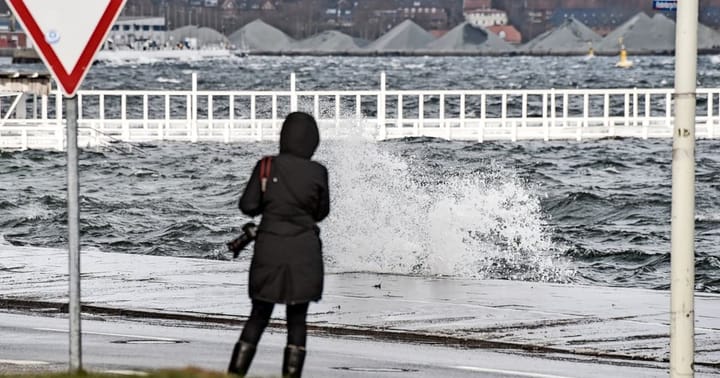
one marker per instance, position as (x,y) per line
(682,330)
(194,104)
(73,193)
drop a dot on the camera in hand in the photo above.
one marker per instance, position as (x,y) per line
(248,235)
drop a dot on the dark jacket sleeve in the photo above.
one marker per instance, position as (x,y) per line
(251,200)
(323,208)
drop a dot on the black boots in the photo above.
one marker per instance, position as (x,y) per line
(241,358)
(293,361)
(243,354)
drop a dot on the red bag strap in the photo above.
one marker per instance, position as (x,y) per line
(265,167)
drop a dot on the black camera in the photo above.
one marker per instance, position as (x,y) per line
(248,235)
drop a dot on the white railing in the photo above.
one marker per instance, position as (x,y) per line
(230,116)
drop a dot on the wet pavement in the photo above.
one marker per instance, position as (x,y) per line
(571,321)
(39,342)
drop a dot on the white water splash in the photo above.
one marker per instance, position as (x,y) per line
(168,80)
(385,220)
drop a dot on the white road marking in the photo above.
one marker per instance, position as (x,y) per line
(507,372)
(23,362)
(125,372)
(109,334)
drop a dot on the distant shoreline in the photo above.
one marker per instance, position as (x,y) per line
(25,56)
(421,53)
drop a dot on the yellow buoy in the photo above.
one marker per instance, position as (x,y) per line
(624,62)
(591,51)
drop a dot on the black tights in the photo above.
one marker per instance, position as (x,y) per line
(260,317)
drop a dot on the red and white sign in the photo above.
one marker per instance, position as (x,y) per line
(67,33)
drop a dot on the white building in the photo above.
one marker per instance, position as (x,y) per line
(136,31)
(486,17)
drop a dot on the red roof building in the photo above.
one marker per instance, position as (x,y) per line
(471,5)
(507,32)
(13,40)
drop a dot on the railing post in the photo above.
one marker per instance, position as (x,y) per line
(421,115)
(503,109)
(646,119)
(123,118)
(442,117)
(462,112)
(710,124)
(381,108)
(546,124)
(503,117)
(565,109)
(253,117)
(606,115)
(337,115)
(194,105)
(586,116)
(635,107)
(188,116)
(713,129)
(668,111)
(165,129)
(627,109)
(101,112)
(231,123)
(552,108)
(145,112)
(274,112)
(59,132)
(524,110)
(316,107)
(210,116)
(399,120)
(293,93)
(483,117)
(80,106)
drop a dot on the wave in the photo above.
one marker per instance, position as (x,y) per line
(392,218)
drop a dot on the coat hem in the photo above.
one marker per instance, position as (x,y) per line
(293,302)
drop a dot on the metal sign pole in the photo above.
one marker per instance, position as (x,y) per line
(682,315)
(73,208)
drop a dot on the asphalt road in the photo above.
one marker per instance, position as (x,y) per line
(37,341)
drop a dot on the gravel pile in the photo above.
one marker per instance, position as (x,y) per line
(406,37)
(645,35)
(468,38)
(258,36)
(328,42)
(570,38)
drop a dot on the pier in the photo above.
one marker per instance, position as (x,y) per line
(201,115)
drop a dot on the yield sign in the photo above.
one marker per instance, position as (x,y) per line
(67,33)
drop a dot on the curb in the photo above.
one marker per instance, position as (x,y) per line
(333,330)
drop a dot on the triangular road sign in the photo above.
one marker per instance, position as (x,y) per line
(67,33)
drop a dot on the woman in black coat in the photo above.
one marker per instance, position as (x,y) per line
(287,267)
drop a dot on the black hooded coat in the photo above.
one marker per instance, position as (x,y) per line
(287,266)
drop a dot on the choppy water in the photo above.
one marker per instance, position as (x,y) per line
(594,212)
(268,73)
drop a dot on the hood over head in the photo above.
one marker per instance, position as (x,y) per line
(299,135)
